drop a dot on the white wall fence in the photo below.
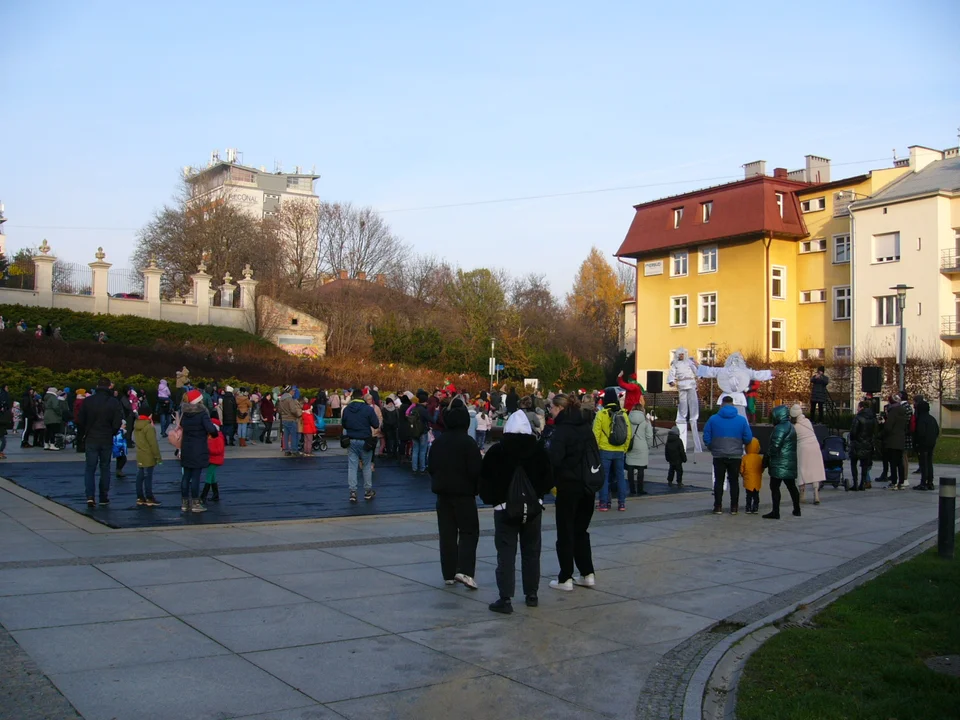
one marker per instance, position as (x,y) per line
(194,309)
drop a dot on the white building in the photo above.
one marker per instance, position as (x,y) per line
(257,191)
(909,233)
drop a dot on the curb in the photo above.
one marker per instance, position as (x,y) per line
(695,697)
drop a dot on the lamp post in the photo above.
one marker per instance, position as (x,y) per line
(713,361)
(901,290)
(493,361)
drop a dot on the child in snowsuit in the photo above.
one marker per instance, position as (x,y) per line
(217,447)
(676,456)
(120,448)
(751,469)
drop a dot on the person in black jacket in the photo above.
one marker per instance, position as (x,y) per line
(101,417)
(676,455)
(863,441)
(572,435)
(28,408)
(391,427)
(194,449)
(455,478)
(518,447)
(925,440)
(229,408)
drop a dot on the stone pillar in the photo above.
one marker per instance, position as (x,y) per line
(101,298)
(43,275)
(227,290)
(151,288)
(202,292)
(248,289)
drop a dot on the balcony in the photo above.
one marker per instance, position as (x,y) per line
(949,262)
(949,327)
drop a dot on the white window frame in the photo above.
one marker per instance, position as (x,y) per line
(685,309)
(815,245)
(674,257)
(846,355)
(813,205)
(783,282)
(705,356)
(809,297)
(783,335)
(677,217)
(849,302)
(779,197)
(706,211)
(811,353)
(887,258)
(837,244)
(716,259)
(700,308)
(880,310)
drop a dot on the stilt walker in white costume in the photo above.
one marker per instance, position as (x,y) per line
(683,376)
(734,379)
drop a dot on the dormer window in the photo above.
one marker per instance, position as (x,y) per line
(780,203)
(707,210)
(677,217)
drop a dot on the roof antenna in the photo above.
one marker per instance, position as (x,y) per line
(894,154)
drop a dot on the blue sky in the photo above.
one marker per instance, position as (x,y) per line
(407,105)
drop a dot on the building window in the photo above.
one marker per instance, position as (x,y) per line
(886,248)
(780,203)
(707,210)
(778,335)
(678,264)
(708,308)
(811,353)
(704,356)
(813,205)
(678,311)
(841,249)
(677,217)
(813,296)
(778,282)
(841,303)
(294,321)
(888,310)
(812,246)
(708,259)
(842,353)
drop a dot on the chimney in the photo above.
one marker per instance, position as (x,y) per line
(344,275)
(818,169)
(752,169)
(921,156)
(381,279)
(780,173)
(361,275)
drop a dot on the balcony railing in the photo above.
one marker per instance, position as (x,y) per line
(949,327)
(949,261)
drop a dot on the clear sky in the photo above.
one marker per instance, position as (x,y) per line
(406,105)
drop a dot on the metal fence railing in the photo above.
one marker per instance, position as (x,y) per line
(949,325)
(72,278)
(949,260)
(125,282)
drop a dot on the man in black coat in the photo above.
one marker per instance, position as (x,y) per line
(894,441)
(229,409)
(925,441)
(863,441)
(100,419)
(455,479)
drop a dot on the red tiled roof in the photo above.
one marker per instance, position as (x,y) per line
(742,208)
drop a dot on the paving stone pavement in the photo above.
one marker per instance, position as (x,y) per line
(349,618)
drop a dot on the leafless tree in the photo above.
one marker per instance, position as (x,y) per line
(356,240)
(627,277)
(295,227)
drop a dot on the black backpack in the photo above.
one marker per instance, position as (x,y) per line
(416,424)
(591,469)
(522,504)
(619,428)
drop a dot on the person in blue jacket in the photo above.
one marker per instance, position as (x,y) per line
(358,421)
(726,434)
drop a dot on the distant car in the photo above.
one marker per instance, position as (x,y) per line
(128,296)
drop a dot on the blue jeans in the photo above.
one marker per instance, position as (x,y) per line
(145,482)
(356,453)
(98,453)
(190,482)
(419,455)
(291,438)
(321,411)
(251,430)
(164,424)
(481,438)
(612,461)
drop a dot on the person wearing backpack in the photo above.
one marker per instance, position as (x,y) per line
(514,477)
(575,458)
(637,456)
(612,431)
(455,478)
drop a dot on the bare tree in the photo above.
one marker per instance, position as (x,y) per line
(356,240)
(295,227)
(627,277)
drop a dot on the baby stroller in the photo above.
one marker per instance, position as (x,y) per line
(67,437)
(835,456)
(319,437)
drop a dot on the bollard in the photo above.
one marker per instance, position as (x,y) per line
(946,527)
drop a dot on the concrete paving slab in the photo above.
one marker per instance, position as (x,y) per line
(485,698)
(412,611)
(141,573)
(777,583)
(795,559)
(193,689)
(722,570)
(115,644)
(210,596)
(642,554)
(485,548)
(632,622)
(402,553)
(639,582)
(342,584)
(108,546)
(272,564)
(22,612)
(311,712)
(513,642)
(713,602)
(28,581)
(357,668)
(31,548)
(279,626)
(841,547)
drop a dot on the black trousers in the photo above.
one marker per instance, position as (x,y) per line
(574,509)
(895,459)
(505,537)
(753,499)
(731,468)
(52,431)
(675,470)
(267,429)
(459,526)
(926,467)
(864,470)
(393,444)
(791,484)
(814,404)
(635,479)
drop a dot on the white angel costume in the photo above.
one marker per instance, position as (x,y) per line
(683,376)
(734,379)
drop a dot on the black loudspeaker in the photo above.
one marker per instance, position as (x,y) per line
(654,381)
(871,379)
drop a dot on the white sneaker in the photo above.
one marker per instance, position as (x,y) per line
(588,581)
(566,585)
(466,580)
(46,446)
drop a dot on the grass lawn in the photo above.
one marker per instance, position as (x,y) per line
(947,451)
(864,659)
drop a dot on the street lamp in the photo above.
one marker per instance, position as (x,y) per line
(901,290)
(713,361)
(493,361)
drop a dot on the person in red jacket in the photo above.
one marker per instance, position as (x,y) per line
(217,448)
(309,428)
(634,391)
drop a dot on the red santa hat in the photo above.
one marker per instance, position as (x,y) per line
(194,396)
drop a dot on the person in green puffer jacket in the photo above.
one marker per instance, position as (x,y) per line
(781,461)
